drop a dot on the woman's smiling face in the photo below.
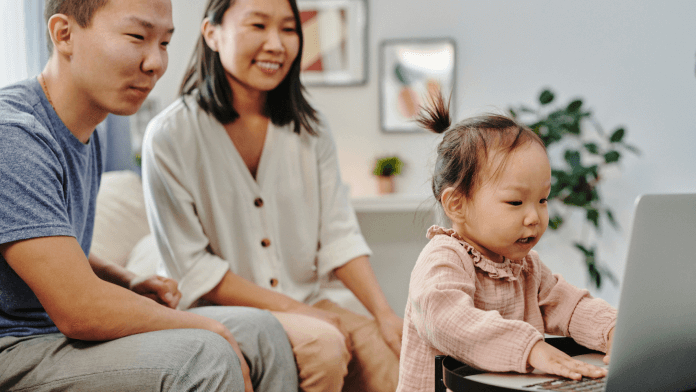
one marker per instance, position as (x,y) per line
(257,42)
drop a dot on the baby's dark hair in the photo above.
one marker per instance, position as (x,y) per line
(465,146)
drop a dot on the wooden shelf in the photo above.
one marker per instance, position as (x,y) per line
(395,202)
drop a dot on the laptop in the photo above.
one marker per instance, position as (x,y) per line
(654,346)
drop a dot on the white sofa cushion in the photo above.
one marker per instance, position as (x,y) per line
(120,218)
(145,259)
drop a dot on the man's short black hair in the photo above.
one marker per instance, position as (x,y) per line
(81,10)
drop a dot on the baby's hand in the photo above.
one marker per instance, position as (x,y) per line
(551,360)
(610,340)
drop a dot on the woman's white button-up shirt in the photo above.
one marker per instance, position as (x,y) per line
(283,230)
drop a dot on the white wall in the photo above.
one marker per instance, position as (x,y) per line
(632,62)
(13,67)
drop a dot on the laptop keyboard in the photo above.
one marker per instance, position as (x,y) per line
(584,385)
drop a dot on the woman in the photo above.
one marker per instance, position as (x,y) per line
(246,202)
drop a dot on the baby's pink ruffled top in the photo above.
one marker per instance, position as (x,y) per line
(489,314)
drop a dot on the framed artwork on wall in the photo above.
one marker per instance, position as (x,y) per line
(410,71)
(335,42)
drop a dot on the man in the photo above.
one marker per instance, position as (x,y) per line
(68,321)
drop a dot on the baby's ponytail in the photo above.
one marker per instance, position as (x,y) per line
(465,146)
(435,116)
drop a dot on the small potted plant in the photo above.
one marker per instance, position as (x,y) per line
(385,170)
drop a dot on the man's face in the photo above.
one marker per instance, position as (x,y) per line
(117,59)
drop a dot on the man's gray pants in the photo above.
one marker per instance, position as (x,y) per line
(170,360)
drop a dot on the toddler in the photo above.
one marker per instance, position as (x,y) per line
(478,291)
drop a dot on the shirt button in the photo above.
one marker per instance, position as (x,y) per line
(265,242)
(258,202)
(274,282)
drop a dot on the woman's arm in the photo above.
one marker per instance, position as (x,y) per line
(158,288)
(233,290)
(358,276)
(172,212)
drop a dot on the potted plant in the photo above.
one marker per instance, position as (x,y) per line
(575,181)
(385,169)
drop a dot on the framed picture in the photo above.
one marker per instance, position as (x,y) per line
(411,71)
(335,42)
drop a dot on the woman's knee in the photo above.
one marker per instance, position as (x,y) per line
(325,352)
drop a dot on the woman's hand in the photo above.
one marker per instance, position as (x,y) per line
(391,326)
(163,290)
(551,360)
(610,339)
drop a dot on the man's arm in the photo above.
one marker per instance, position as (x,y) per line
(83,306)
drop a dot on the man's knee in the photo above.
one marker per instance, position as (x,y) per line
(205,361)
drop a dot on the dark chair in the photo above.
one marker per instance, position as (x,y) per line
(450,373)
(439,384)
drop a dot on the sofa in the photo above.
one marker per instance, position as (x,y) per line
(122,234)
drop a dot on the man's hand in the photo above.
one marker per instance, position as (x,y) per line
(391,326)
(225,333)
(163,290)
(551,360)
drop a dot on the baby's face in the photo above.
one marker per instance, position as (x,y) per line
(508,213)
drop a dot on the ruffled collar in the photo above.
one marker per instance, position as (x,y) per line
(508,270)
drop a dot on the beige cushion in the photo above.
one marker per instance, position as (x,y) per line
(120,220)
(145,259)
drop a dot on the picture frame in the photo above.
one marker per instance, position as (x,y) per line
(335,42)
(411,70)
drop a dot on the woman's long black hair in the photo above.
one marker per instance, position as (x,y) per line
(207,78)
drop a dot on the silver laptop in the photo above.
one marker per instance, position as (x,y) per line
(654,345)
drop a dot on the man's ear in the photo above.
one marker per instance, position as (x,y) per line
(453,203)
(60,29)
(208,33)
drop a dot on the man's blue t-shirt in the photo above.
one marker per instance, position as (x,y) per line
(48,187)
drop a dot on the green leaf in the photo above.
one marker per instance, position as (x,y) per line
(597,278)
(631,148)
(574,106)
(573,158)
(593,171)
(617,136)
(592,148)
(607,272)
(400,74)
(574,128)
(584,250)
(555,222)
(387,166)
(612,221)
(546,97)
(593,216)
(612,156)
(513,114)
